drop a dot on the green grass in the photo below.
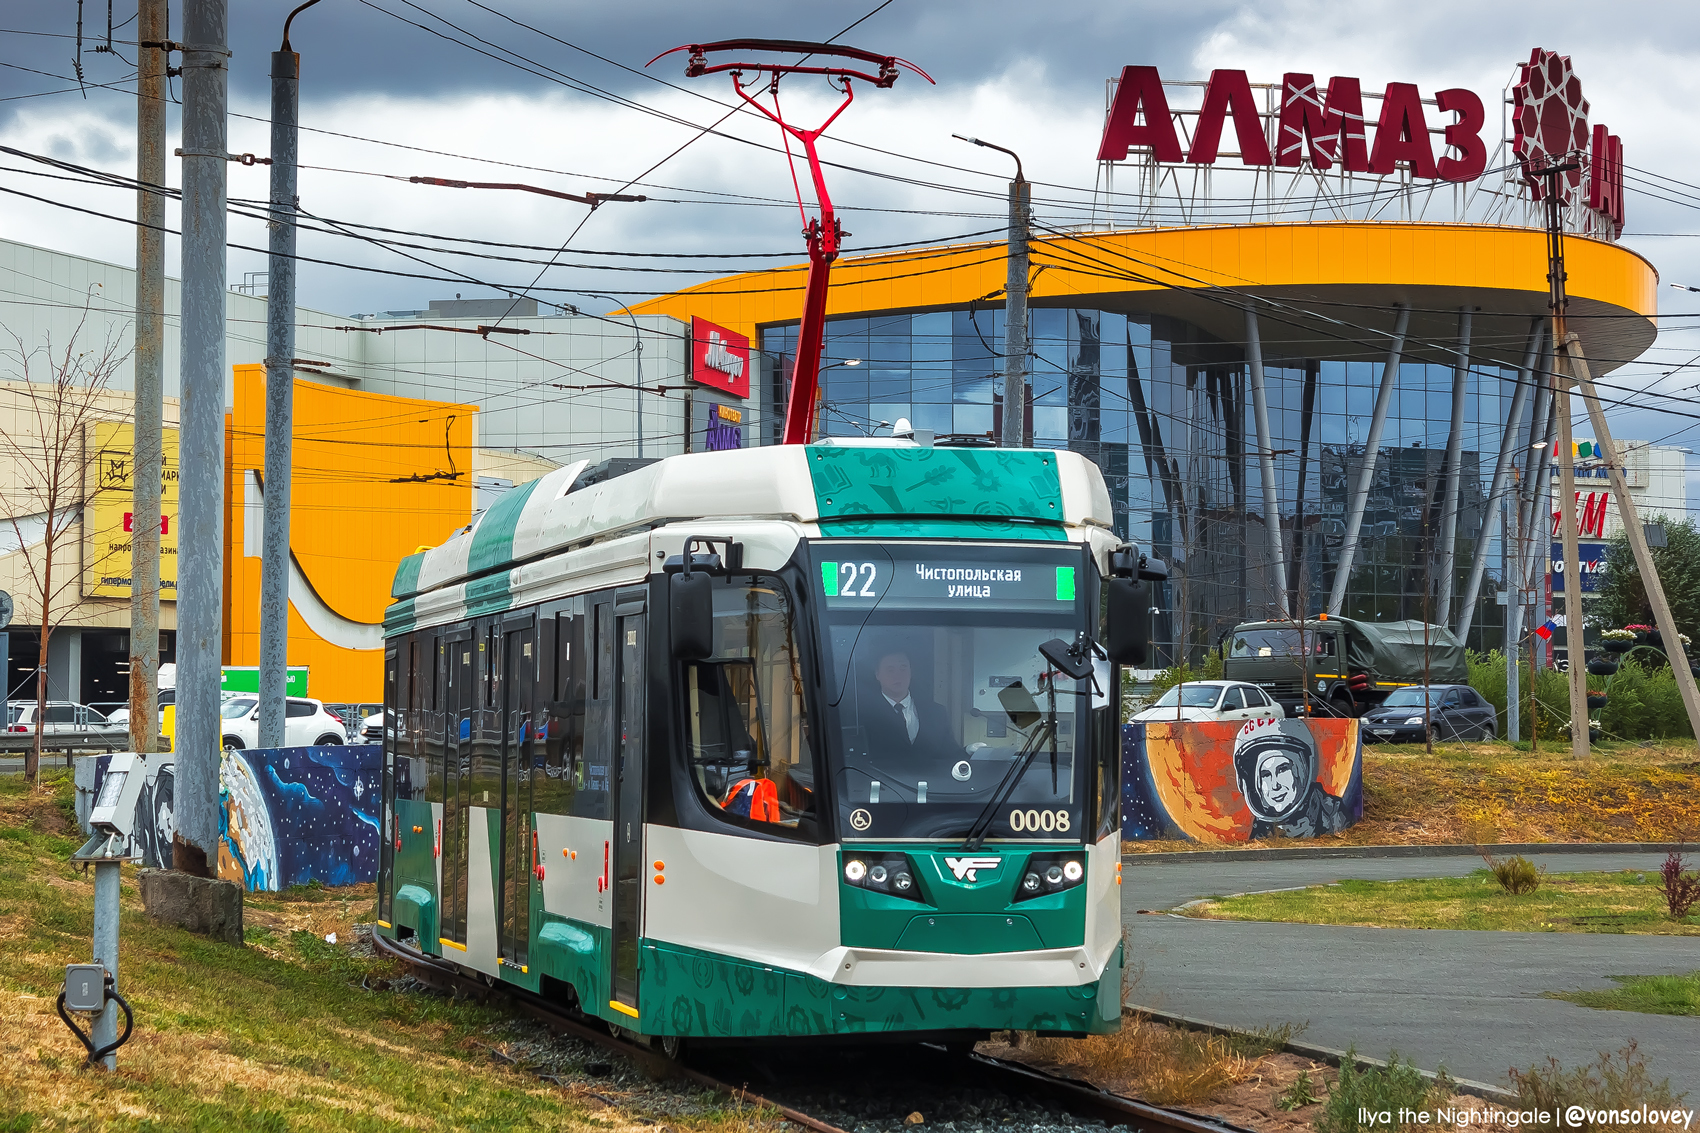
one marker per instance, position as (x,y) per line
(1628,902)
(1652,995)
(280,1035)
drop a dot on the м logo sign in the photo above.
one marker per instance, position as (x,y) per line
(1590,516)
(720,358)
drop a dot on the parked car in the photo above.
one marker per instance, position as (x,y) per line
(1447,712)
(1212,700)
(372,728)
(121,714)
(306,723)
(62,717)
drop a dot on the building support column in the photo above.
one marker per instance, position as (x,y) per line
(1366,475)
(1501,477)
(1536,492)
(1266,461)
(1454,472)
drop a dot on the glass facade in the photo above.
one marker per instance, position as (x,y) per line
(1165,410)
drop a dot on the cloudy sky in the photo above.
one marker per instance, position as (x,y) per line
(555,94)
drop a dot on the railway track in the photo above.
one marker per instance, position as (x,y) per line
(829,1089)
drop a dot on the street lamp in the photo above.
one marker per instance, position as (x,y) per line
(1015,304)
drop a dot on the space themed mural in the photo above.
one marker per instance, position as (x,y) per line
(287,816)
(1240,780)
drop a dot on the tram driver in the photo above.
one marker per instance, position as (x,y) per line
(898,720)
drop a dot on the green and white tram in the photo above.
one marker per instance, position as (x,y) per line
(850,769)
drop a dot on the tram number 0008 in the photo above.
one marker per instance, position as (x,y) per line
(1039,821)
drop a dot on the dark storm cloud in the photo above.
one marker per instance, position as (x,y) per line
(352,47)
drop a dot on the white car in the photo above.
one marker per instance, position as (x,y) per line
(1212,700)
(306,723)
(372,728)
(61,718)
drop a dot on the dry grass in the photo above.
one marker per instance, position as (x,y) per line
(1148,1060)
(1481,794)
(284,1035)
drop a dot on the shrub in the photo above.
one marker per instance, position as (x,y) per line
(1377,1090)
(1644,704)
(1516,875)
(1617,1081)
(1682,890)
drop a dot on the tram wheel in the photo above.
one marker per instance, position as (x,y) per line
(671,1046)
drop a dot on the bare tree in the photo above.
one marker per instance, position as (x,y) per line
(59,394)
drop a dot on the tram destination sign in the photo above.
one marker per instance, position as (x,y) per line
(850,579)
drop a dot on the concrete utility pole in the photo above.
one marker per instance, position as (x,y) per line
(1512,622)
(1014,433)
(1454,473)
(1577,666)
(280,392)
(1634,531)
(152,30)
(200,582)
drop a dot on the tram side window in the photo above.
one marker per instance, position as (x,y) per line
(560,790)
(747,734)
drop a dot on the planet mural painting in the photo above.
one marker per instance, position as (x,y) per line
(1234,781)
(287,816)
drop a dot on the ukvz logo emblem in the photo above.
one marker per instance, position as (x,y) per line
(967,869)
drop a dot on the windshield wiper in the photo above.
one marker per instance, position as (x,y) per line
(1023,713)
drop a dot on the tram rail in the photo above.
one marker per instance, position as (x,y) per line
(1016,1079)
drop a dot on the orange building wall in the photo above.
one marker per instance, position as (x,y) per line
(350,522)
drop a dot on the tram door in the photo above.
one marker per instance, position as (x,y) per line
(519,678)
(628,793)
(457,673)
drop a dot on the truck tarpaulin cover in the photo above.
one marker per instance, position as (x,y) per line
(1394,651)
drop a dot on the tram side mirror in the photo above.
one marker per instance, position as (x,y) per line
(691,615)
(1018,703)
(1074,664)
(1127,634)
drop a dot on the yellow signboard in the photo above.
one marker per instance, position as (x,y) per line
(107,514)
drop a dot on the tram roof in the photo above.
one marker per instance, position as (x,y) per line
(873,488)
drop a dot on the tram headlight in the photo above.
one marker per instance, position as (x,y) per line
(1046,874)
(891,874)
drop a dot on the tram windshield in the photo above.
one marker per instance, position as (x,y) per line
(941,693)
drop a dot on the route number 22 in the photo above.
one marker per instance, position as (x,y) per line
(849,574)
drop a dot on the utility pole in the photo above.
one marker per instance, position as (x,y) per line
(200,582)
(280,391)
(152,30)
(1577,668)
(1636,534)
(1511,620)
(1015,305)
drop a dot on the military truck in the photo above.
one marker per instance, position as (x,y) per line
(1347,666)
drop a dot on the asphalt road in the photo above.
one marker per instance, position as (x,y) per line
(1468,1001)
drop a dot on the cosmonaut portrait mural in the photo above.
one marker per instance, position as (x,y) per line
(286,816)
(1239,780)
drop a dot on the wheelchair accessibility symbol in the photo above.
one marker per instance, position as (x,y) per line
(861,819)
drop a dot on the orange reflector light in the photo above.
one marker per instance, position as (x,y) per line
(660,865)
(660,880)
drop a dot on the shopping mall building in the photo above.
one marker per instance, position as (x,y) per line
(1289,313)
(1369,294)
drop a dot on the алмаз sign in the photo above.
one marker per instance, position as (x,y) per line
(1325,127)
